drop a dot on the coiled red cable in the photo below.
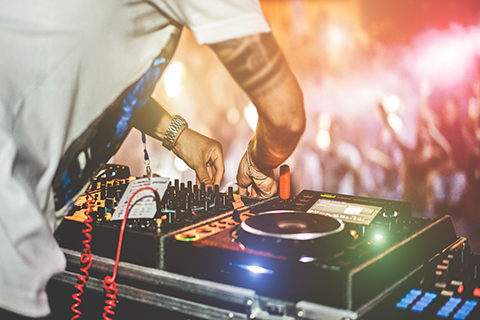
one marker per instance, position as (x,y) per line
(109,283)
(85,259)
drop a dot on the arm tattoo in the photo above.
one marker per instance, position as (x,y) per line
(255,62)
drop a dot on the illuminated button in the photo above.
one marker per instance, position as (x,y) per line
(430,295)
(447,293)
(471,303)
(415,292)
(424,301)
(465,310)
(448,307)
(476,292)
(401,305)
(187,237)
(453,302)
(408,298)
(443,313)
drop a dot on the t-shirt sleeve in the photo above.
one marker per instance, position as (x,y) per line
(213,21)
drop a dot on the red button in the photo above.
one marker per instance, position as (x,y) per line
(476,292)
(460,289)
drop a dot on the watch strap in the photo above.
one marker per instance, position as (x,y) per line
(173,129)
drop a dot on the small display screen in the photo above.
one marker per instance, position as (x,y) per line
(345,211)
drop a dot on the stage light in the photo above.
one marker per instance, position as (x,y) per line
(251,116)
(180,165)
(336,37)
(391,103)
(395,122)
(173,78)
(323,139)
(447,58)
(323,136)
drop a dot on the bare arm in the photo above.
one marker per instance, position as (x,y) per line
(259,67)
(403,147)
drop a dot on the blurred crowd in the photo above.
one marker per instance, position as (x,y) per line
(438,172)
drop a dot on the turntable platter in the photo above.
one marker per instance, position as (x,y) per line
(293,233)
(293,225)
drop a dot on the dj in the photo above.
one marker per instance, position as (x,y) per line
(75,77)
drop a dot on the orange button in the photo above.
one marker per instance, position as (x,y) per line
(476,292)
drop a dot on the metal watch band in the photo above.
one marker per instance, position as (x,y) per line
(172,131)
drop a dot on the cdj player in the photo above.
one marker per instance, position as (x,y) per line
(340,251)
(336,254)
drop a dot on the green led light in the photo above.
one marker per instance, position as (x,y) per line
(328,195)
(379,237)
(179,237)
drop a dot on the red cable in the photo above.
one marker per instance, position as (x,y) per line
(109,283)
(85,259)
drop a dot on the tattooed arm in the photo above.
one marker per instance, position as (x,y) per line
(259,67)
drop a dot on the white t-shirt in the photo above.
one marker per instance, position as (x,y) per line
(62,65)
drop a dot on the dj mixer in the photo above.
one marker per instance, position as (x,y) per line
(345,256)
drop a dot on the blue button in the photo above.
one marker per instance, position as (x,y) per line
(401,305)
(462,313)
(454,300)
(418,308)
(447,309)
(472,303)
(408,300)
(430,295)
(422,303)
(443,314)
(415,292)
(460,316)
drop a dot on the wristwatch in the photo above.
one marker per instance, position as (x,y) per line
(170,136)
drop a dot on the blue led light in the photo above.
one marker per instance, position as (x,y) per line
(411,296)
(465,310)
(472,303)
(424,301)
(448,307)
(252,268)
(401,305)
(443,313)
(415,292)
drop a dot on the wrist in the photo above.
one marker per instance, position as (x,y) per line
(176,127)
(253,171)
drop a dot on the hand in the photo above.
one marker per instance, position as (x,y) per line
(259,188)
(202,154)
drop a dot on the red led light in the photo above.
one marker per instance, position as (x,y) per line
(460,289)
(476,292)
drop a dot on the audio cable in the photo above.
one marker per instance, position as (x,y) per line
(109,283)
(85,259)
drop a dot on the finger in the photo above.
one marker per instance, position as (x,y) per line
(203,176)
(218,164)
(211,173)
(254,192)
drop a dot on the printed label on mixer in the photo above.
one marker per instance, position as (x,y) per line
(143,206)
